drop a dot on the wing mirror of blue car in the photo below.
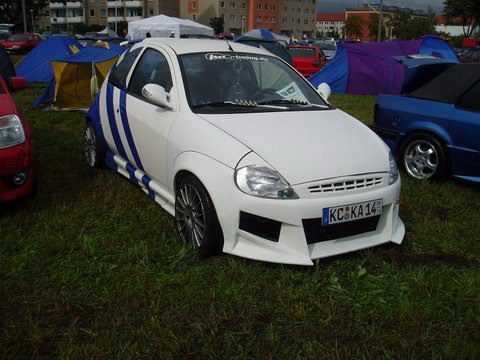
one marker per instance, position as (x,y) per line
(324,91)
(157,95)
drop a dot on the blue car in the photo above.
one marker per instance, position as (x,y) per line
(433,128)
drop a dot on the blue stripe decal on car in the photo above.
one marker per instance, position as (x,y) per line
(151,194)
(131,170)
(146,181)
(113,123)
(126,128)
(110,161)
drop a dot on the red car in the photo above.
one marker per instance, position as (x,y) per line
(16,153)
(306,59)
(21,43)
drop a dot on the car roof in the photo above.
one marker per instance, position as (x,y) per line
(449,85)
(187,46)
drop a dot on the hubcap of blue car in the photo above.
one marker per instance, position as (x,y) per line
(421,159)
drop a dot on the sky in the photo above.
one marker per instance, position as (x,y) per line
(326,6)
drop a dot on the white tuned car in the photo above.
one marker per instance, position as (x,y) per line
(244,152)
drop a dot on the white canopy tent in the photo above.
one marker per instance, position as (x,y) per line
(164,26)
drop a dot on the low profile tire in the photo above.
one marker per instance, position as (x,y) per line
(197,221)
(423,157)
(94,148)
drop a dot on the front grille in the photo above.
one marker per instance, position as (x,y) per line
(315,232)
(353,184)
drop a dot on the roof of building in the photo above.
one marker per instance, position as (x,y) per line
(331,17)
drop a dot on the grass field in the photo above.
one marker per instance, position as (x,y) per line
(91,268)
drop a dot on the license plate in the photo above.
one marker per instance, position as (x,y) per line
(351,212)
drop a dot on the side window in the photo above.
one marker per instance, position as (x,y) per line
(151,69)
(471,99)
(118,76)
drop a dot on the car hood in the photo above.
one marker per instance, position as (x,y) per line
(309,145)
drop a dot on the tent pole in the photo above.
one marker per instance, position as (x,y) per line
(380,22)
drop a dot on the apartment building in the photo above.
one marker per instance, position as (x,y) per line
(289,17)
(330,23)
(60,15)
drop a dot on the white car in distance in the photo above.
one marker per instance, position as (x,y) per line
(244,152)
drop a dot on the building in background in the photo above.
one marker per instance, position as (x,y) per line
(289,17)
(330,23)
(62,15)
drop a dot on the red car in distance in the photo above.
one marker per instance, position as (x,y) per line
(470,57)
(16,153)
(21,43)
(307,60)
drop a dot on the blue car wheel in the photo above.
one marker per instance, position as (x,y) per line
(423,157)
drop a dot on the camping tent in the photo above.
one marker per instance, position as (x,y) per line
(35,67)
(370,68)
(163,26)
(77,76)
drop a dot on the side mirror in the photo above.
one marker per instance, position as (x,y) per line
(157,95)
(324,91)
(18,83)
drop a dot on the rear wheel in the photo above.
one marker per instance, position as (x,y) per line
(423,157)
(94,149)
(196,219)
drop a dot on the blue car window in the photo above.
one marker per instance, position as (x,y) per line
(471,99)
(151,69)
(118,76)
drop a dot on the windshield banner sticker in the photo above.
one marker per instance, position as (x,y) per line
(216,57)
(292,92)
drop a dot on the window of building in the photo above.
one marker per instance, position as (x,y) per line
(305,21)
(273,20)
(293,21)
(243,5)
(259,19)
(265,18)
(285,9)
(272,7)
(194,17)
(194,5)
(103,12)
(298,21)
(284,20)
(266,6)
(232,5)
(92,12)
(233,18)
(299,10)
(47,13)
(259,6)
(222,4)
(150,12)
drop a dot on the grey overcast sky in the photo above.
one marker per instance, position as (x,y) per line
(340,5)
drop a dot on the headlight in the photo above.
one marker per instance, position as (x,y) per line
(11,131)
(264,182)
(393,173)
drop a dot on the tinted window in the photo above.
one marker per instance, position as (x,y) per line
(471,99)
(302,52)
(151,69)
(118,76)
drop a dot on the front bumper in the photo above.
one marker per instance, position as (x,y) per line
(15,160)
(292,242)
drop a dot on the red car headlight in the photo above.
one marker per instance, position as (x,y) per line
(11,131)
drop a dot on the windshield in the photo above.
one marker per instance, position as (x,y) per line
(17,37)
(239,82)
(302,52)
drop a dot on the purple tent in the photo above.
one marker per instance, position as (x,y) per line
(369,68)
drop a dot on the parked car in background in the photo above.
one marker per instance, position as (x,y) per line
(17,173)
(434,129)
(21,43)
(247,155)
(470,56)
(306,59)
(4,35)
